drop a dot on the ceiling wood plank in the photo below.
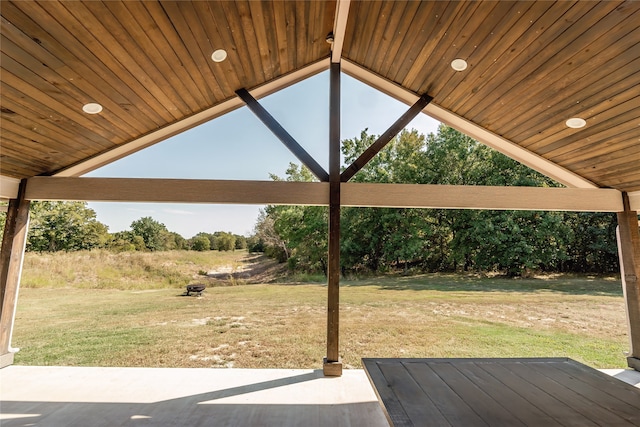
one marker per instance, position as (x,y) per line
(397,40)
(39,126)
(517,63)
(610,121)
(25,47)
(53,109)
(102,42)
(187,19)
(282,41)
(141,44)
(578,61)
(490,139)
(224,77)
(267,61)
(489,57)
(469,45)
(605,74)
(77,57)
(440,33)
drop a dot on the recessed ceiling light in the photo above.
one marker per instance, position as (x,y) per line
(576,123)
(92,108)
(459,64)
(219,55)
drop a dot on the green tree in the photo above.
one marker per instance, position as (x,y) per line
(200,243)
(64,226)
(226,241)
(154,234)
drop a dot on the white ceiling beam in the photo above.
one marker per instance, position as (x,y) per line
(317,194)
(634,200)
(473,130)
(192,121)
(339,29)
(8,187)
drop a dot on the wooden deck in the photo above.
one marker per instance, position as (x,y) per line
(500,392)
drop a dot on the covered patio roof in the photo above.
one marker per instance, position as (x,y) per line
(531,66)
(554,85)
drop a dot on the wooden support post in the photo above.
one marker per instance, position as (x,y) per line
(283,135)
(14,241)
(629,252)
(332,365)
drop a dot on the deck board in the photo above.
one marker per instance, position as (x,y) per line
(501,392)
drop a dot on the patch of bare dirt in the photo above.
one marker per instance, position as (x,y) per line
(252,269)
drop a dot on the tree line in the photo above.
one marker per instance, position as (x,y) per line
(375,240)
(72,226)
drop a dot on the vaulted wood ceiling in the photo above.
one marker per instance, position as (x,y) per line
(531,66)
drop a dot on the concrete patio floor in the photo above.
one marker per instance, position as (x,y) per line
(79,396)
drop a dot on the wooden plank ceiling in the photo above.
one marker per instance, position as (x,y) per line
(531,66)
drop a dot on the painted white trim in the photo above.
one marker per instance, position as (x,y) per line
(484,136)
(193,121)
(8,187)
(634,200)
(339,29)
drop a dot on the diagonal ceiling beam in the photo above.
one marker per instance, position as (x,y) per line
(384,139)
(339,29)
(503,145)
(283,135)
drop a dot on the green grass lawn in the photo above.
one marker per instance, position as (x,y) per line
(283,325)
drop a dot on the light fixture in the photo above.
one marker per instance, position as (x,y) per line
(219,55)
(576,123)
(459,64)
(92,108)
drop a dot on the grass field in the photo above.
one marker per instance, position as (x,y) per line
(102,309)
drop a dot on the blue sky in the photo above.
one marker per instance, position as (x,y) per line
(239,146)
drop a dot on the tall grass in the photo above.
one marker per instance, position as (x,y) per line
(100,269)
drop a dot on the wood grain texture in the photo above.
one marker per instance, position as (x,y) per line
(14,241)
(315,193)
(531,66)
(628,235)
(178,191)
(500,392)
(480,197)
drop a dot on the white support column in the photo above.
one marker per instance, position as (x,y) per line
(11,257)
(628,235)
